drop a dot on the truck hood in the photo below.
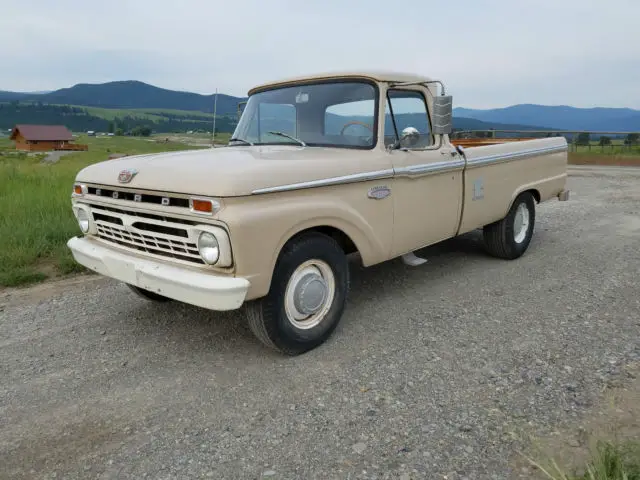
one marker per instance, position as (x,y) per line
(229,171)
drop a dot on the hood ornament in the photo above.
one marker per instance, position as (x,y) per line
(126,175)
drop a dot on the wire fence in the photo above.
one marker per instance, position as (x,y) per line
(580,141)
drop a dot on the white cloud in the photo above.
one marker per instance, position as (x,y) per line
(490,53)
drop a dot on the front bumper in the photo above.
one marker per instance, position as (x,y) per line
(205,290)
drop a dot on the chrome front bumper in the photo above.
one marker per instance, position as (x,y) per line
(205,290)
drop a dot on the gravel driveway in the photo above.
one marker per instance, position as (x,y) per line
(437,370)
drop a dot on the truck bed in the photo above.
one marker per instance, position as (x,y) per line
(497,171)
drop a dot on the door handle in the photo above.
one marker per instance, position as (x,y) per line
(453,153)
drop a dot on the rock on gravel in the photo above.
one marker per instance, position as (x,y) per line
(441,370)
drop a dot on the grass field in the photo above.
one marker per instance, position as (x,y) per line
(35,203)
(153,114)
(616,154)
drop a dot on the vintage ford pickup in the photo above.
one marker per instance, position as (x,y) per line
(318,168)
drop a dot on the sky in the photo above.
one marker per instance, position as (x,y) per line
(489,53)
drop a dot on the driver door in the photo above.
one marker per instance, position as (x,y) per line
(427,185)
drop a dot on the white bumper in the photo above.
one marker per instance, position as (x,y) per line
(196,288)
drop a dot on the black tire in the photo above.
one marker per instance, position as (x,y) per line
(267,316)
(148,294)
(500,237)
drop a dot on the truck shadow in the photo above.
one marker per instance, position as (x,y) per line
(175,324)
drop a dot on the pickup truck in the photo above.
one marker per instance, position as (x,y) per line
(319,168)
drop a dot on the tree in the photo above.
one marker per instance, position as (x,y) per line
(604,140)
(119,132)
(632,139)
(141,131)
(111,127)
(583,138)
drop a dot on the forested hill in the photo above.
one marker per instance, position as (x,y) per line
(135,95)
(129,94)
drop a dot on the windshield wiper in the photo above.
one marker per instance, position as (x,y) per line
(282,134)
(240,140)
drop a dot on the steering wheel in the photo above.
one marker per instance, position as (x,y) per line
(355,123)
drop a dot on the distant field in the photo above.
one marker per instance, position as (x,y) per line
(616,154)
(153,114)
(36,218)
(615,149)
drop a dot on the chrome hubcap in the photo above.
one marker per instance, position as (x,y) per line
(309,294)
(521,223)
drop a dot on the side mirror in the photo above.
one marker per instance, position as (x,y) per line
(442,114)
(409,137)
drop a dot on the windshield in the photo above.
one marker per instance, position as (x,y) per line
(335,114)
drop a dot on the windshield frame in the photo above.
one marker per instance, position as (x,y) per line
(321,81)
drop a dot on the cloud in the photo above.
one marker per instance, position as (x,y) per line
(489,53)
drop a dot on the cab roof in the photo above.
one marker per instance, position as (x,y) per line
(375,75)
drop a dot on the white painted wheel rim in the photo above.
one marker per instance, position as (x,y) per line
(521,223)
(309,294)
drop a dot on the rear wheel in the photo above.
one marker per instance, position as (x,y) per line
(509,238)
(148,294)
(307,296)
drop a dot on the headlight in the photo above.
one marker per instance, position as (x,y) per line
(208,247)
(83,219)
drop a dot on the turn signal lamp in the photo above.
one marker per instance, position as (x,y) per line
(203,205)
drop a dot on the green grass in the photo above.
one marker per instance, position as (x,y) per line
(617,148)
(152,114)
(113,113)
(36,219)
(608,461)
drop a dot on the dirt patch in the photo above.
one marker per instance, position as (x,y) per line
(616,418)
(610,160)
(53,157)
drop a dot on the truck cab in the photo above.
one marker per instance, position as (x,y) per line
(319,168)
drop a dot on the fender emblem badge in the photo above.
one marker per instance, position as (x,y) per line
(378,193)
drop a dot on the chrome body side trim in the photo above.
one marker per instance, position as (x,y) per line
(325,182)
(432,168)
(507,157)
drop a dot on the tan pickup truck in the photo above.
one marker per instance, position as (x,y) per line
(318,168)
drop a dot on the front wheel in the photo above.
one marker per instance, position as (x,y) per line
(307,296)
(509,238)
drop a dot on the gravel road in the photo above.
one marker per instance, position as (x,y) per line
(443,369)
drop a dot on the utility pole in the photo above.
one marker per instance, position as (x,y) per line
(215,108)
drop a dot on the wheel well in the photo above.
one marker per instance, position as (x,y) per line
(535,193)
(345,242)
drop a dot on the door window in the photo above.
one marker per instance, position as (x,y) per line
(407,108)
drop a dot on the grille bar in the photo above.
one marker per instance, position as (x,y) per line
(150,234)
(149,244)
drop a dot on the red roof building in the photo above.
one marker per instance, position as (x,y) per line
(43,138)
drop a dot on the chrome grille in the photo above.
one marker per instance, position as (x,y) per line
(156,237)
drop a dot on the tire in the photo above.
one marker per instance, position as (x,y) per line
(148,294)
(505,239)
(317,264)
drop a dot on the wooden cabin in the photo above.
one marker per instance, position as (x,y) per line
(44,138)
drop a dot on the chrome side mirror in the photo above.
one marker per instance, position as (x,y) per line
(409,137)
(442,115)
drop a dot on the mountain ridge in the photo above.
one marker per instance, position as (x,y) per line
(559,116)
(135,94)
